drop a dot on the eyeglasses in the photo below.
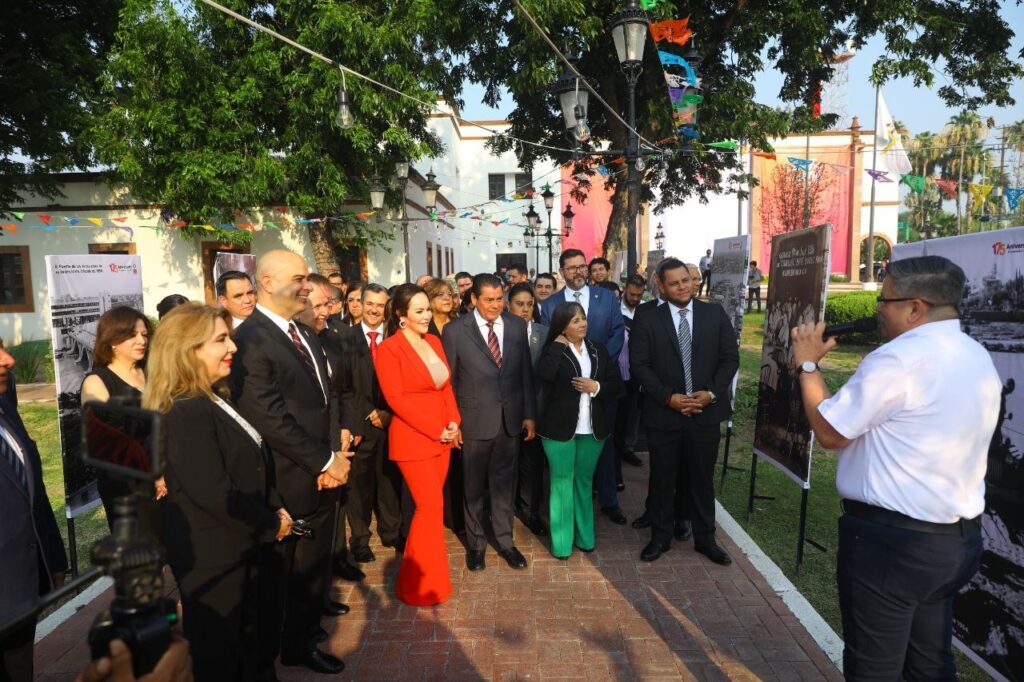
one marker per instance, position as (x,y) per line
(883,299)
(576,268)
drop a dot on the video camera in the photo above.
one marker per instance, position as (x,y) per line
(125,443)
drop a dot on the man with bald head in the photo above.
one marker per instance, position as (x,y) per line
(281,385)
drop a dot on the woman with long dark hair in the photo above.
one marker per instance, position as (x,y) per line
(354,304)
(119,373)
(576,375)
(416,382)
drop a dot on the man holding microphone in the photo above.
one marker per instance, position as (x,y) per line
(913,427)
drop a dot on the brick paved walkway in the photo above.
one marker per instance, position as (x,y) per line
(602,616)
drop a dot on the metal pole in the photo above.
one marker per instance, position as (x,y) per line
(1002,174)
(549,236)
(807,183)
(405,234)
(870,273)
(632,155)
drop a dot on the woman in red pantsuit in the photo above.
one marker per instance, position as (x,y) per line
(414,377)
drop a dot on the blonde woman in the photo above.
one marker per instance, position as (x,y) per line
(220,505)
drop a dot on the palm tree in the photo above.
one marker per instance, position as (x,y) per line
(925,151)
(1013,137)
(963,129)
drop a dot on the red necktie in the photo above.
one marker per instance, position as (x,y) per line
(492,344)
(373,345)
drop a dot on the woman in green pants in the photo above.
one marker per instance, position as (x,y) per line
(576,376)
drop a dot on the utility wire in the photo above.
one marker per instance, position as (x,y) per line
(368,79)
(582,80)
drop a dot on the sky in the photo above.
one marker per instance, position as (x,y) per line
(920,109)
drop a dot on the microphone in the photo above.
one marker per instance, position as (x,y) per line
(861,326)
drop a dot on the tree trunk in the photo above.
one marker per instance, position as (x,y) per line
(323,248)
(618,222)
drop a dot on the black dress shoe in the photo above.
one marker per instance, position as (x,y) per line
(513,557)
(536,526)
(400,546)
(319,636)
(335,608)
(653,550)
(615,514)
(642,521)
(475,559)
(683,532)
(363,555)
(630,458)
(620,486)
(317,661)
(347,571)
(715,553)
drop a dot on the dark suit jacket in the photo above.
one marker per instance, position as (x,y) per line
(655,363)
(538,334)
(275,393)
(220,504)
(357,386)
(490,397)
(555,371)
(31,549)
(604,318)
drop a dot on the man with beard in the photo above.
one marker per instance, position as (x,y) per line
(684,355)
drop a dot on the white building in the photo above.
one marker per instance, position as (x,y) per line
(171,263)
(691,228)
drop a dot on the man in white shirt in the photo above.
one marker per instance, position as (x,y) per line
(705,273)
(913,427)
(236,295)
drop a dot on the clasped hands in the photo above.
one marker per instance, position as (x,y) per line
(689,404)
(451,434)
(285,524)
(336,475)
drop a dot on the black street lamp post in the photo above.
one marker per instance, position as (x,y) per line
(629,33)
(549,204)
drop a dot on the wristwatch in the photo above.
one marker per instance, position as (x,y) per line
(808,366)
(714,398)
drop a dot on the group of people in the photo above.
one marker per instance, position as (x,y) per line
(299,408)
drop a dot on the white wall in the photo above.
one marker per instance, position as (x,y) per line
(171,264)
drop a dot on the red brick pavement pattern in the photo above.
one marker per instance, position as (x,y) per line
(599,616)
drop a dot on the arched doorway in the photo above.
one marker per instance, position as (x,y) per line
(883,253)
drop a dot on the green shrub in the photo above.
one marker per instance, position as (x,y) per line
(848,306)
(34,362)
(838,278)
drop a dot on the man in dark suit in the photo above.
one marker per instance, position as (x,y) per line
(684,354)
(492,376)
(280,382)
(316,316)
(33,561)
(374,483)
(606,327)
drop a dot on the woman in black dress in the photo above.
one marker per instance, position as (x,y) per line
(221,507)
(118,373)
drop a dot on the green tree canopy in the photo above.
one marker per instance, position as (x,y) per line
(738,39)
(51,56)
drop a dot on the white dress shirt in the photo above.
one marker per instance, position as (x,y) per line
(920,428)
(235,321)
(583,424)
(688,310)
(282,324)
(626,312)
(584,301)
(367,330)
(499,330)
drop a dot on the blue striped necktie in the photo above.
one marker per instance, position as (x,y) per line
(685,349)
(12,459)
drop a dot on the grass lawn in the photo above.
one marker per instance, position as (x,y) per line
(774,525)
(41,421)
